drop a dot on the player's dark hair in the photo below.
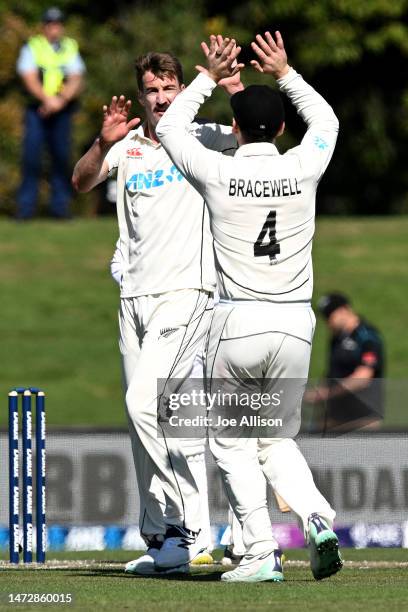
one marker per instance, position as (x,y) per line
(160,64)
(327,304)
(256,136)
(259,113)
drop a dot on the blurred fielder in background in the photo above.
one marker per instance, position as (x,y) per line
(352,396)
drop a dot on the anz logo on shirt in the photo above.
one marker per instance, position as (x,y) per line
(151,180)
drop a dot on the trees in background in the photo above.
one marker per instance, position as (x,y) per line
(353,51)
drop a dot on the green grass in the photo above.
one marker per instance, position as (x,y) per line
(357,588)
(58,324)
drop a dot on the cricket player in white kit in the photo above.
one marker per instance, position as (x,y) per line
(194,449)
(262,210)
(166,295)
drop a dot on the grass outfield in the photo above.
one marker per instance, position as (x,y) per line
(371,579)
(58,323)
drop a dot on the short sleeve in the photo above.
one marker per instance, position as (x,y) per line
(113,156)
(25,61)
(371,352)
(75,66)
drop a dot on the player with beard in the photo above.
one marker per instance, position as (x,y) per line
(166,294)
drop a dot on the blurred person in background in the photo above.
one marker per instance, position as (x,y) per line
(51,70)
(352,395)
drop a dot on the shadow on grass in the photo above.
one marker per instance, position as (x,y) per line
(107,572)
(198,577)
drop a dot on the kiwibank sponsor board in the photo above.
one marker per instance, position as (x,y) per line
(91,479)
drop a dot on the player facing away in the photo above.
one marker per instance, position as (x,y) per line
(262,209)
(166,294)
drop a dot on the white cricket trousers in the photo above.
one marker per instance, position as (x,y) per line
(267,342)
(160,336)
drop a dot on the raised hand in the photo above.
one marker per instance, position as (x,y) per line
(115,124)
(231,84)
(221,58)
(271,55)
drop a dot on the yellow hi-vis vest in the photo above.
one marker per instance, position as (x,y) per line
(51,63)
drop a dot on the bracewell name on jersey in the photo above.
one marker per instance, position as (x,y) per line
(240,187)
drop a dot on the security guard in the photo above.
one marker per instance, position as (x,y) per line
(51,70)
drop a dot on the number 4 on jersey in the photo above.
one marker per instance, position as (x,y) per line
(271,248)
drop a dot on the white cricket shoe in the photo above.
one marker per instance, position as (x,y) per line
(144,565)
(180,547)
(260,568)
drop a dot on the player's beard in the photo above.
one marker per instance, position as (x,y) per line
(160,109)
(154,117)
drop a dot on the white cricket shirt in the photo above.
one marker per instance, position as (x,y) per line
(165,241)
(262,204)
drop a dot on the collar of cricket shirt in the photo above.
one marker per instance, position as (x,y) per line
(140,136)
(257,148)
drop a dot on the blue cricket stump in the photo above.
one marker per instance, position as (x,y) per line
(40,476)
(27,474)
(14,492)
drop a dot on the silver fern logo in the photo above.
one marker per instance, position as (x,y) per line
(165,332)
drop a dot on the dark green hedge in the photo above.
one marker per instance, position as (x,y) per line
(353,51)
